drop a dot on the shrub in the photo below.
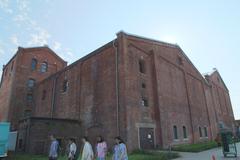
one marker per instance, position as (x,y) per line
(197,147)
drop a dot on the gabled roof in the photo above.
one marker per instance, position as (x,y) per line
(34,49)
(166,44)
(215,71)
(44,47)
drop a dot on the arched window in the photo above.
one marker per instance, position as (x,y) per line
(144,102)
(34,64)
(29,97)
(44,67)
(184,132)
(205,132)
(200,131)
(31,83)
(142,68)
(175,132)
(65,86)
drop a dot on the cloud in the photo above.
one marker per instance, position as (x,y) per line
(4,5)
(22,17)
(23,5)
(14,40)
(40,38)
(56,46)
(34,33)
(69,53)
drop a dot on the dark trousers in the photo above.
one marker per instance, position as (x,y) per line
(51,158)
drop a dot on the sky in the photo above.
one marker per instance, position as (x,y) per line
(207,31)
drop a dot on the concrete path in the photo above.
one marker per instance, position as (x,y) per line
(207,155)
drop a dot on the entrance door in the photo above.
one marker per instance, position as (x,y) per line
(146,138)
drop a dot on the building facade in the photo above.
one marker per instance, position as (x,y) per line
(144,90)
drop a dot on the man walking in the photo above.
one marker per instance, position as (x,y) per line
(53,151)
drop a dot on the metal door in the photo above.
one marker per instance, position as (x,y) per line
(146,138)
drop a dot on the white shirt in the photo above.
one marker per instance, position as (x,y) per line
(72,150)
(87,153)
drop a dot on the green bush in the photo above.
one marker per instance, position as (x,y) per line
(197,147)
(136,155)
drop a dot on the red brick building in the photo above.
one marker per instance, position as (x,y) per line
(144,90)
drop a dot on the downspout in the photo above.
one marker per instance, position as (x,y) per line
(189,107)
(53,96)
(205,98)
(116,86)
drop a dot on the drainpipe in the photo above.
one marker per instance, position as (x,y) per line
(53,96)
(189,107)
(117,86)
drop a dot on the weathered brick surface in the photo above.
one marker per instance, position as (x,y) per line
(14,86)
(34,134)
(106,97)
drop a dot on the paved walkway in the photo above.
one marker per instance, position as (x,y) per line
(207,155)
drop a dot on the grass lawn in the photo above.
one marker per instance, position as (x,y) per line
(138,155)
(198,147)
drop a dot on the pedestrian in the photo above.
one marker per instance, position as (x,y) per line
(72,149)
(101,148)
(53,151)
(120,150)
(87,153)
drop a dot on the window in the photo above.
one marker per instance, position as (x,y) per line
(31,83)
(44,67)
(142,66)
(200,131)
(205,132)
(184,132)
(144,102)
(29,97)
(44,94)
(180,60)
(175,132)
(143,85)
(34,64)
(65,86)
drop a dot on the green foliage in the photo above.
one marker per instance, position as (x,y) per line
(136,155)
(197,147)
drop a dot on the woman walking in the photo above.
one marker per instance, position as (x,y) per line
(87,153)
(101,148)
(120,150)
(72,149)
